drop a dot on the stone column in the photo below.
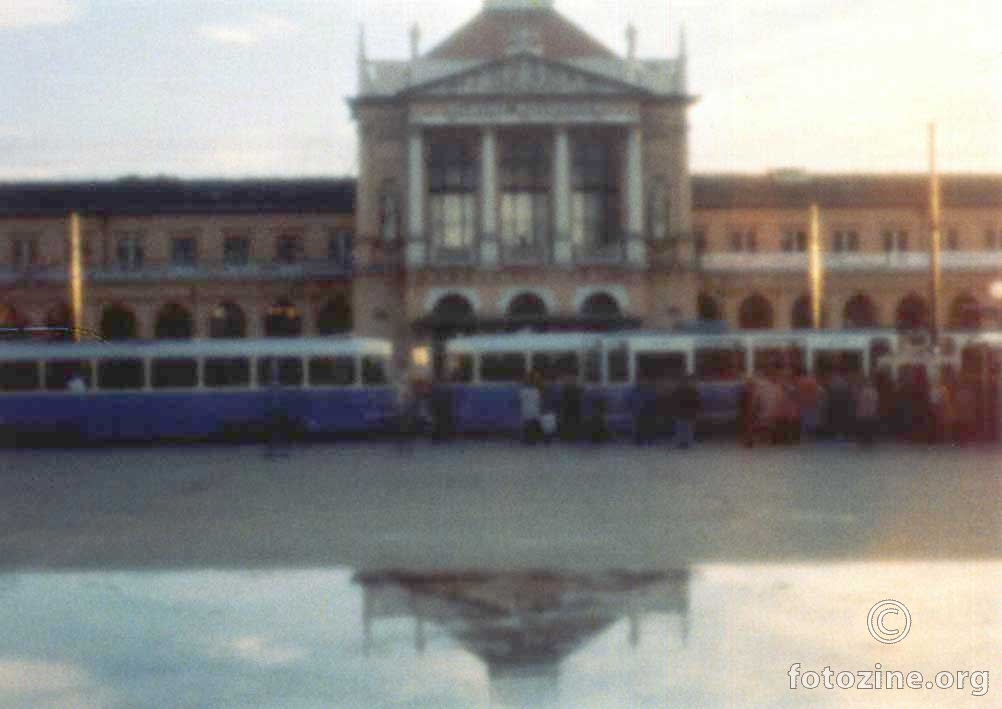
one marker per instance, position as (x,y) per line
(562,247)
(636,250)
(416,242)
(488,198)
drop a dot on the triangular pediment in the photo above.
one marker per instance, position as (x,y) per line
(525,74)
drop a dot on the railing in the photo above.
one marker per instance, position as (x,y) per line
(906,261)
(525,254)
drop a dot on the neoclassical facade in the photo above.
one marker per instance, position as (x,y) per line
(517,174)
(522,171)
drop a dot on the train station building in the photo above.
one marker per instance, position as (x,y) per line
(517,174)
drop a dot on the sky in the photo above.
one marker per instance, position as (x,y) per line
(235,88)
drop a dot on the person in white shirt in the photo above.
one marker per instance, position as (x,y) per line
(531,406)
(76,384)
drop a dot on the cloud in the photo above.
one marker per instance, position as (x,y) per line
(262,652)
(256,29)
(29,13)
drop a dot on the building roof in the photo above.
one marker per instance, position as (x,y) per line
(488,35)
(507,29)
(170,196)
(796,190)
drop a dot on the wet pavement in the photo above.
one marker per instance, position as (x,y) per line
(492,575)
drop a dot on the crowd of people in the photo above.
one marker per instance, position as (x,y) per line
(778,406)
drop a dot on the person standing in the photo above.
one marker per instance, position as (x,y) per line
(867,412)
(809,401)
(531,402)
(688,406)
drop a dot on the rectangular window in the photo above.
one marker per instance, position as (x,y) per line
(895,240)
(744,240)
(496,368)
(121,374)
(283,371)
(236,251)
(719,365)
(288,249)
(374,371)
(525,185)
(129,253)
(174,374)
(229,373)
(184,252)
(339,248)
(453,182)
(554,366)
(460,368)
(332,371)
(699,240)
(654,366)
(59,374)
(595,200)
(845,240)
(619,365)
(794,241)
(24,252)
(19,376)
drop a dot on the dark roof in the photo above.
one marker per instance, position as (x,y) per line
(859,191)
(486,36)
(143,197)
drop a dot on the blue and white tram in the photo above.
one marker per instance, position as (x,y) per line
(486,371)
(146,391)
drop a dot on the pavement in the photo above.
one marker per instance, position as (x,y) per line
(495,505)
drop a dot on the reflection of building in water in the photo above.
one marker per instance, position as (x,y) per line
(522,625)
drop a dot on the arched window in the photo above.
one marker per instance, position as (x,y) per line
(601,305)
(707,308)
(527,306)
(11,322)
(59,322)
(228,322)
(335,317)
(174,323)
(755,313)
(965,313)
(802,316)
(912,313)
(118,323)
(283,320)
(453,308)
(860,312)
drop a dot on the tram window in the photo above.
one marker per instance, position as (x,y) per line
(121,374)
(460,369)
(619,365)
(332,371)
(374,371)
(827,363)
(556,365)
(654,366)
(19,376)
(720,365)
(230,373)
(502,367)
(289,371)
(776,359)
(593,367)
(58,374)
(174,373)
